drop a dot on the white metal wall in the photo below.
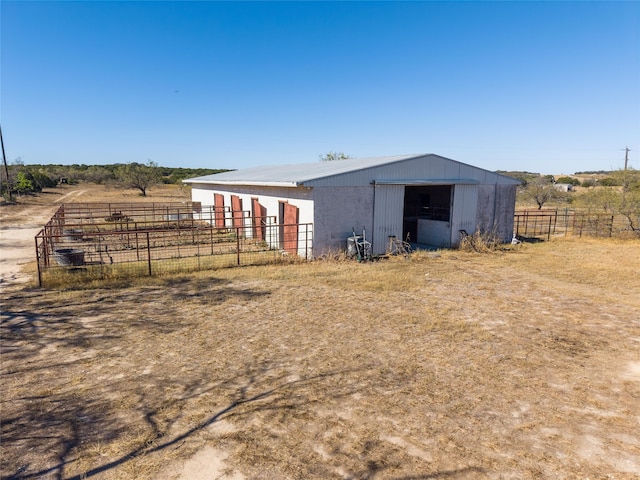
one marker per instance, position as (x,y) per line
(387,216)
(270,198)
(339,211)
(463,215)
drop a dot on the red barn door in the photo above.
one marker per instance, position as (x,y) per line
(218,210)
(259,213)
(236,211)
(290,228)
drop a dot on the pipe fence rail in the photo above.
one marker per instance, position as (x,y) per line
(83,242)
(568,222)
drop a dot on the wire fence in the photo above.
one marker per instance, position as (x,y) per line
(83,242)
(567,222)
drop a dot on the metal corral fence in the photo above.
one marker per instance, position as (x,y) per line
(545,223)
(98,241)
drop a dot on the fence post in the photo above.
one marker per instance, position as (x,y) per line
(549,230)
(149,253)
(193,229)
(238,245)
(198,253)
(611,226)
(211,237)
(306,241)
(38,263)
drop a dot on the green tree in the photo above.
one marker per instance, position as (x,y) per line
(541,190)
(23,184)
(331,156)
(139,176)
(630,202)
(623,198)
(568,180)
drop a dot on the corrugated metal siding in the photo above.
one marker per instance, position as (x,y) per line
(427,167)
(356,172)
(463,216)
(387,215)
(298,173)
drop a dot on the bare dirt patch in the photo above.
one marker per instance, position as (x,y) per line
(514,365)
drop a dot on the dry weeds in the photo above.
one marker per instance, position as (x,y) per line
(515,364)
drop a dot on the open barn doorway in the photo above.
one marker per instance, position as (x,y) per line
(427,214)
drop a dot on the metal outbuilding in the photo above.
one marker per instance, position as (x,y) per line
(430,198)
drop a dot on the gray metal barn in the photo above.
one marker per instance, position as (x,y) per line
(431,198)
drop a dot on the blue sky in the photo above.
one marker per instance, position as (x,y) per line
(551,87)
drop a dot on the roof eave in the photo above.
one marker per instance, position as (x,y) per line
(242,182)
(434,181)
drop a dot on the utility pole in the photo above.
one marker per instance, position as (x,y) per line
(6,169)
(626,156)
(625,180)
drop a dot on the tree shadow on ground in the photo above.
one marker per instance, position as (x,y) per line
(60,403)
(51,342)
(60,423)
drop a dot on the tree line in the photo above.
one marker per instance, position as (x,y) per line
(26,179)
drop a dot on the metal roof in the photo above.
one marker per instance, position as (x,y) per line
(301,173)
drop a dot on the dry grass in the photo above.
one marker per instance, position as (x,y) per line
(521,363)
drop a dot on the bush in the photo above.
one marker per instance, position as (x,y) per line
(23,184)
(611,182)
(568,180)
(481,242)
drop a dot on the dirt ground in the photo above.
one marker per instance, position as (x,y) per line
(518,364)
